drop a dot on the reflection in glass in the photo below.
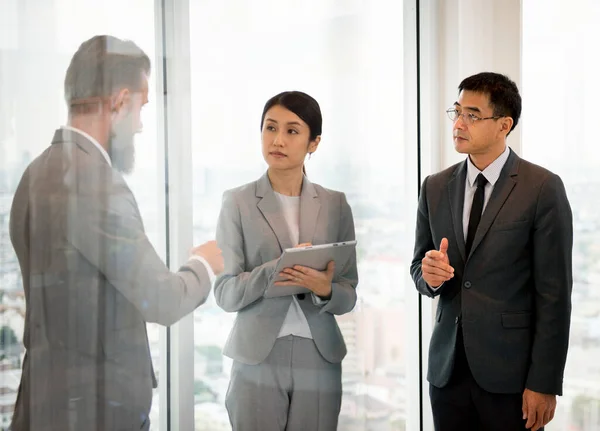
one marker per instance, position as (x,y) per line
(36,45)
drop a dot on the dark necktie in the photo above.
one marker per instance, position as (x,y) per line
(476,210)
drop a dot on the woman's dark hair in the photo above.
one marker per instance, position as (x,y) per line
(301,104)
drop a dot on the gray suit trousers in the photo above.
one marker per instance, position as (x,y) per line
(293,389)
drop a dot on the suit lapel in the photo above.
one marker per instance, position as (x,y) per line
(309,211)
(456,193)
(502,189)
(269,207)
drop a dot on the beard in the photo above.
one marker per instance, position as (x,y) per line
(122,149)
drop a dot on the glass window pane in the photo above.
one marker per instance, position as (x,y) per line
(37,41)
(349,57)
(561,65)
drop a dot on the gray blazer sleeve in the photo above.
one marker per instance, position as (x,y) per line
(237,288)
(343,288)
(423,243)
(553,281)
(107,230)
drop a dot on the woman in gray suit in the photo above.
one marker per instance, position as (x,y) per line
(287,350)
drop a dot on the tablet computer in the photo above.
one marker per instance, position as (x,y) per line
(312,256)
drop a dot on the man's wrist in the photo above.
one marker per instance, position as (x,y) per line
(435,287)
(211,273)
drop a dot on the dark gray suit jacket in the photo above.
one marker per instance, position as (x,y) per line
(92,280)
(512,294)
(252,233)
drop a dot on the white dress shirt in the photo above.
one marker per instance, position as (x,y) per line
(211,274)
(92,140)
(295,322)
(491,174)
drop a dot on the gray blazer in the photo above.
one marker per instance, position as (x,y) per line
(512,293)
(92,280)
(252,234)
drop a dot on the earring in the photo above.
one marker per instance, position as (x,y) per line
(309,156)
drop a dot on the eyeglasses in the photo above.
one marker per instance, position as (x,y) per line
(467,117)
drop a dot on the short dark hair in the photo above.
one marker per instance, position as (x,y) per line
(504,95)
(102,65)
(301,104)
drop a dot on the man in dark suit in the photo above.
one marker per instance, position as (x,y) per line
(91,277)
(502,272)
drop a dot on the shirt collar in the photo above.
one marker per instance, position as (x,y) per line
(92,140)
(491,173)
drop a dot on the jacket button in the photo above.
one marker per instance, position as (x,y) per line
(467,284)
